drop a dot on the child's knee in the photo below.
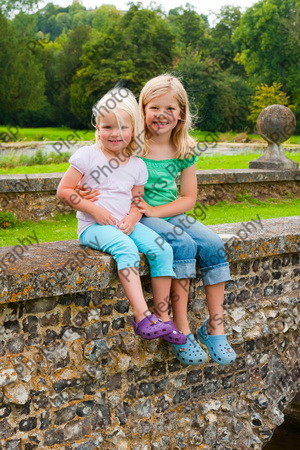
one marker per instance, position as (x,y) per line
(128,267)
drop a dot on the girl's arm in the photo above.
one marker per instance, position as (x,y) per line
(134,216)
(186,201)
(66,191)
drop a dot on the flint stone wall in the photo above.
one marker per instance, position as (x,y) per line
(38,191)
(74,376)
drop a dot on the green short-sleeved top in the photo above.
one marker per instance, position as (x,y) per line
(161,187)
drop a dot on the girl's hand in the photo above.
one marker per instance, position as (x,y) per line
(87,193)
(103,217)
(126,225)
(145,208)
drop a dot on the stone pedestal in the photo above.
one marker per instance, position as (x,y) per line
(275,124)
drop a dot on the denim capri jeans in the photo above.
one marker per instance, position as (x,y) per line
(125,249)
(192,242)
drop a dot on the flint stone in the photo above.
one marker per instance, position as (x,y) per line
(96,349)
(60,385)
(94,331)
(118,323)
(5,429)
(65,415)
(16,345)
(12,326)
(14,444)
(182,396)
(28,424)
(85,408)
(54,436)
(18,394)
(5,411)
(210,434)
(50,320)
(73,430)
(210,405)
(40,305)
(80,318)
(57,354)
(8,376)
(144,409)
(71,334)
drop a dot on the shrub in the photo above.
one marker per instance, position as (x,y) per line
(7,219)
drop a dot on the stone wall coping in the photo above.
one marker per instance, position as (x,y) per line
(64,267)
(38,182)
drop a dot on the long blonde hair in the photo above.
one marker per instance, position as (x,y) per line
(185,145)
(118,99)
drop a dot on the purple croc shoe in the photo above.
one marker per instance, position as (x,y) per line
(175,337)
(152,327)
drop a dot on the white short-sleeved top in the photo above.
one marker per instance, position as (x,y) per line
(114,181)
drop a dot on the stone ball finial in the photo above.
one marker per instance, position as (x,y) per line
(276,123)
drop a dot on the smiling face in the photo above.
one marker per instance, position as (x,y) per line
(115,135)
(162,114)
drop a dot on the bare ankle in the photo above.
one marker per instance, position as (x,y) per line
(215,326)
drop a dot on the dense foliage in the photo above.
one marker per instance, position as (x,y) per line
(56,62)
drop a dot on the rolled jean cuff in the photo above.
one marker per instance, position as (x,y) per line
(185,268)
(215,274)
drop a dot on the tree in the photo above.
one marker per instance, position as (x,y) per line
(22,80)
(221,46)
(219,100)
(267,48)
(191,29)
(137,46)
(11,6)
(267,95)
(105,17)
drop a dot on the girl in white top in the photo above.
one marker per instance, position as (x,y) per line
(111,223)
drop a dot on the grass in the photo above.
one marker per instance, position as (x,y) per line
(218,161)
(15,133)
(63,227)
(60,228)
(47,168)
(203,163)
(225,212)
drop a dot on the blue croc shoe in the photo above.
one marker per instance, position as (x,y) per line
(218,346)
(189,353)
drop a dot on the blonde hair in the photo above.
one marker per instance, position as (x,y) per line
(185,145)
(118,99)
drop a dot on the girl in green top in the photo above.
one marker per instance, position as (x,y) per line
(168,152)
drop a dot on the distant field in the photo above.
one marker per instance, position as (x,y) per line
(56,134)
(203,163)
(15,134)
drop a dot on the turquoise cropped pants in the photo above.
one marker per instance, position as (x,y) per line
(125,249)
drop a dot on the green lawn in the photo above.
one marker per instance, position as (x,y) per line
(225,212)
(64,227)
(203,163)
(45,168)
(234,161)
(45,134)
(63,133)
